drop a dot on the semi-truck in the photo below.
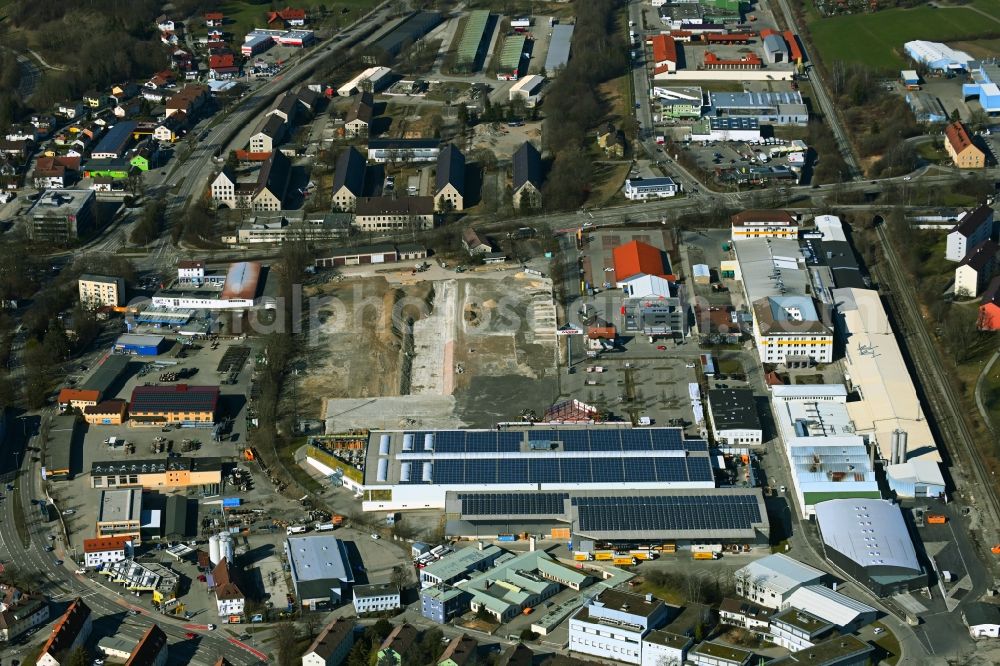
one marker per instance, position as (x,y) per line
(625,561)
(705,555)
(295,529)
(604,555)
(643,554)
(324,527)
(583,557)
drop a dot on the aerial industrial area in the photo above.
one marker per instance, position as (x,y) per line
(499,333)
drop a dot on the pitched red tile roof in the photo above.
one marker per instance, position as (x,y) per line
(104,544)
(634,257)
(957,136)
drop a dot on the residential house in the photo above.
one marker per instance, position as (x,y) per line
(214,19)
(961,149)
(95,100)
(123,91)
(164,24)
(380,214)
(745,614)
(664,54)
(359,116)
(106,412)
(332,645)
(461,651)
(71,110)
(288,108)
(982,619)
(168,130)
(310,99)
(611,140)
(229,600)
(20,612)
(288,16)
(976,270)
(144,157)
(527,177)
(397,645)
(49,174)
(348,179)
(189,100)
(769,223)
(269,135)
(16,149)
(989,307)
(613,624)
(973,227)
(375,598)
(640,189)
(69,632)
(449,183)
(518,654)
(222,65)
(151,649)
(403,150)
(473,244)
(162,79)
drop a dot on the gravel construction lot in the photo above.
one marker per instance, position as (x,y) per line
(478,337)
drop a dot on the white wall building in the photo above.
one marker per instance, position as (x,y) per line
(640,189)
(98,290)
(105,550)
(983,619)
(663,648)
(613,625)
(375,598)
(771,581)
(973,228)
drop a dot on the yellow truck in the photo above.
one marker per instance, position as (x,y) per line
(583,557)
(605,555)
(706,556)
(625,561)
(642,554)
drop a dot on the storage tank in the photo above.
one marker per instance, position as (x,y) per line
(213,550)
(227,547)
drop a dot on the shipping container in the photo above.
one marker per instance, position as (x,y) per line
(324,527)
(560,533)
(705,555)
(936,519)
(506,537)
(604,555)
(626,561)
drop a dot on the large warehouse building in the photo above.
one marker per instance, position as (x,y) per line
(870,542)
(321,570)
(618,518)
(415,470)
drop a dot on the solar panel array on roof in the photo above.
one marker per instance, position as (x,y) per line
(489,441)
(631,469)
(684,512)
(512,504)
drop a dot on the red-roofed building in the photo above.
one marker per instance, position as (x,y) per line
(748,61)
(664,54)
(635,258)
(222,65)
(151,650)
(70,398)
(70,632)
(989,307)
(288,16)
(962,151)
(795,53)
(214,19)
(106,550)
(228,597)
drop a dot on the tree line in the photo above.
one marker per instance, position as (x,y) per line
(574,105)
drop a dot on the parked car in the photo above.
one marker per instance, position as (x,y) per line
(375,537)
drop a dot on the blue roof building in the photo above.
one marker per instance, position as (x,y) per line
(116,141)
(985,86)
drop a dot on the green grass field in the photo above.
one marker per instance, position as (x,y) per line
(877,39)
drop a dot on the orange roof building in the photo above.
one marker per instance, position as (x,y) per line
(635,258)
(962,151)
(69,632)
(664,54)
(70,398)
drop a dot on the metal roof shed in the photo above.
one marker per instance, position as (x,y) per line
(559,46)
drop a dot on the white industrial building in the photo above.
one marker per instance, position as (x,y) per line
(730,128)
(841,611)
(772,108)
(787,327)
(612,625)
(372,79)
(640,189)
(775,48)
(888,413)
(826,457)
(735,423)
(105,550)
(771,581)
(937,56)
(415,470)
(320,568)
(528,89)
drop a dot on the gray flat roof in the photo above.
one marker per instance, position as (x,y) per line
(870,532)
(559,47)
(120,505)
(733,408)
(318,558)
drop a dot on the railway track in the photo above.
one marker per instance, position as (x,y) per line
(937,389)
